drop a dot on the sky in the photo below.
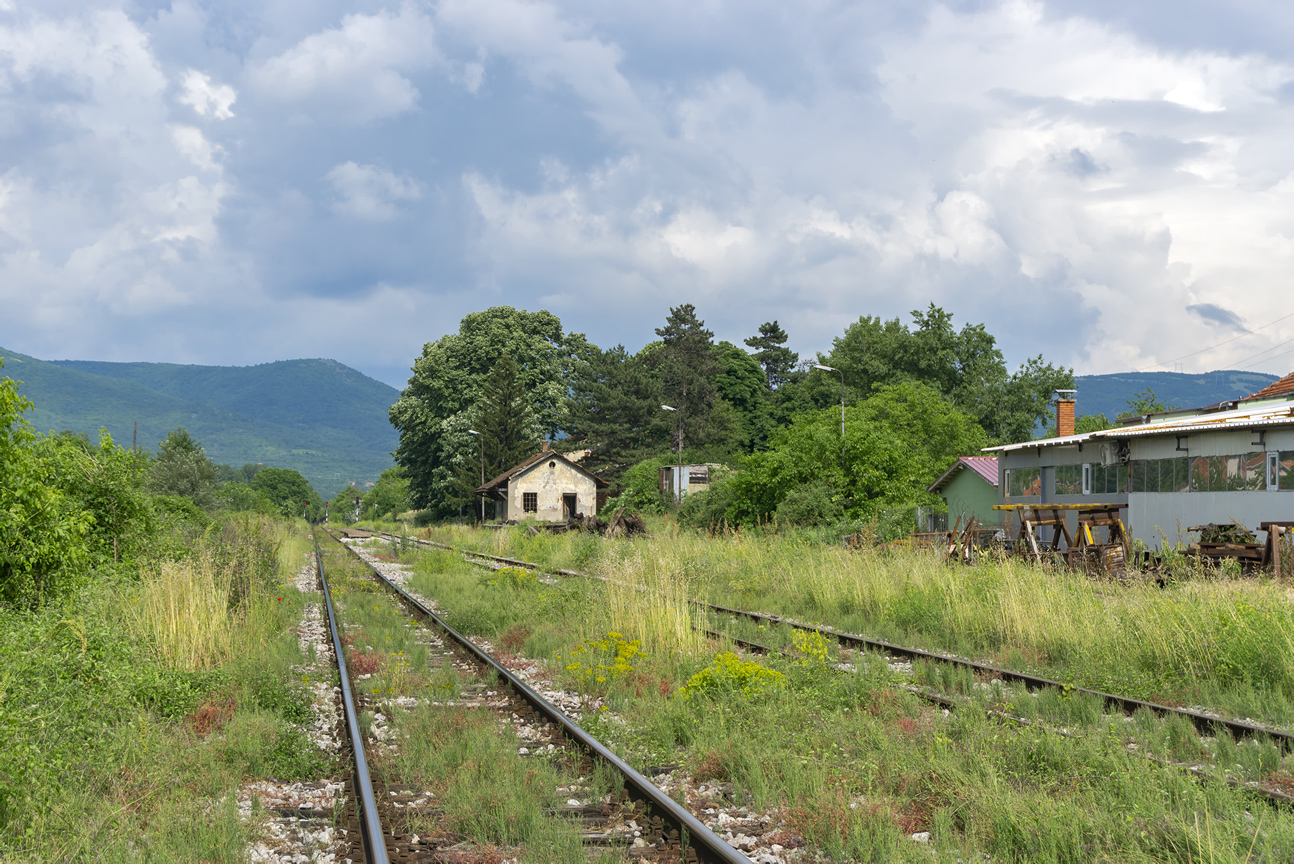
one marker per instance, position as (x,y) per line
(1110,185)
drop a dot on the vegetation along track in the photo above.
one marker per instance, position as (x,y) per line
(671,831)
(1205,723)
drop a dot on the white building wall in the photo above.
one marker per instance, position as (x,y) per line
(550,480)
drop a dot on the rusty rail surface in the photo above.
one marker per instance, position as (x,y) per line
(371,831)
(709,847)
(1205,723)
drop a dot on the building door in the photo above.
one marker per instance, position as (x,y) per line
(569,503)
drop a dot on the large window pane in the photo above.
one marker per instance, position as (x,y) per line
(1233,473)
(1285,470)
(1069,480)
(1139,476)
(1200,474)
(1025,481)
(1255,465)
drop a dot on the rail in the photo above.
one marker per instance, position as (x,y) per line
(370,825)
(1204,723)
(709,847)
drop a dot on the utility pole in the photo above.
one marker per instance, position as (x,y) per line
(481,445)
(678,478)
(842,413)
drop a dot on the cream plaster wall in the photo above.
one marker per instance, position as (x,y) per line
(549,480)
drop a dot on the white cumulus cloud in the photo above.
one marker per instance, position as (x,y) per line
(370,193)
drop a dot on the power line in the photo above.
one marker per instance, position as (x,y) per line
(1261,353)
(1274,356)
(1218,345)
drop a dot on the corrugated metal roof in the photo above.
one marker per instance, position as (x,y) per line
(984,466)
(1238,418)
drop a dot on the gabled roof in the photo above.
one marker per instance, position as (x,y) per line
(1283,387)
(526,464)
(984,466)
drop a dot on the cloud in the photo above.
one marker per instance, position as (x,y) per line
(370,193)
(1091,189)
(355,72)
(209,100)
(1217,315)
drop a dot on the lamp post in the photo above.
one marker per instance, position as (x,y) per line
(842,411)
(481,443)
(678,478)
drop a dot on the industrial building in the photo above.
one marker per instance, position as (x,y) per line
(1230,462)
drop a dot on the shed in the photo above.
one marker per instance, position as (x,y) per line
(547,486)
(692,478)
(969,486)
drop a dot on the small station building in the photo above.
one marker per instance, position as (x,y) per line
(547,486)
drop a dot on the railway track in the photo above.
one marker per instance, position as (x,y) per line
(1204,723)
(668,831)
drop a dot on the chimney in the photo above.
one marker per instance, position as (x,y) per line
(1065,412)
(1071,423)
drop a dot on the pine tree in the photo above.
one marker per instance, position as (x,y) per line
(615,410)
(777,360)
(505,418)
(686,365)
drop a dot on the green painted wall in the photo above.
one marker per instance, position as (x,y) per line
(969,494)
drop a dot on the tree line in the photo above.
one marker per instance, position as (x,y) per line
(916,395)
(70,506)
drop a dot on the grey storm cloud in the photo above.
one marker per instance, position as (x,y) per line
(238,182)
(1217,315)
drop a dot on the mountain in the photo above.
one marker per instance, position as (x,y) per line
(1109,394)
(322,418)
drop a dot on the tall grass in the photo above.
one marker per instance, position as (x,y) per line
(647,599)
(202,611)
(1228,643)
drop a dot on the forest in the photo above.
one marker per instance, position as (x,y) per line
(913,395)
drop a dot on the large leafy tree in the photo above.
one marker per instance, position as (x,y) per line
(896,443)
(289,490)
(742,384)
(436,409)
(965,366)
(182,468)
(42,532)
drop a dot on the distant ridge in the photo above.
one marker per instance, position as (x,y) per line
(320,417)
(1109,394)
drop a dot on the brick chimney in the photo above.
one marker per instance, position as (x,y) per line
(1071,423)
(1064,413)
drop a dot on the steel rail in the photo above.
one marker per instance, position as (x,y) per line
(1204,723)
(370,824)
(709,847)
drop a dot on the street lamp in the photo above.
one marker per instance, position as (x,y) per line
(678,479)
(481,444)
(842,411)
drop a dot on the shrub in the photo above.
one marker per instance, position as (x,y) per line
(729,674)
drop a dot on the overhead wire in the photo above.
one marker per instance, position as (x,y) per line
(1219,344)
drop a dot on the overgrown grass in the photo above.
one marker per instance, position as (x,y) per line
(1226,644)
(130,715)
(485,793)
(854,762)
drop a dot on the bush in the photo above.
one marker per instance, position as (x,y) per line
(810,505)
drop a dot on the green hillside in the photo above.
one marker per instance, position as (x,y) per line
(1109,394)
(322,418)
